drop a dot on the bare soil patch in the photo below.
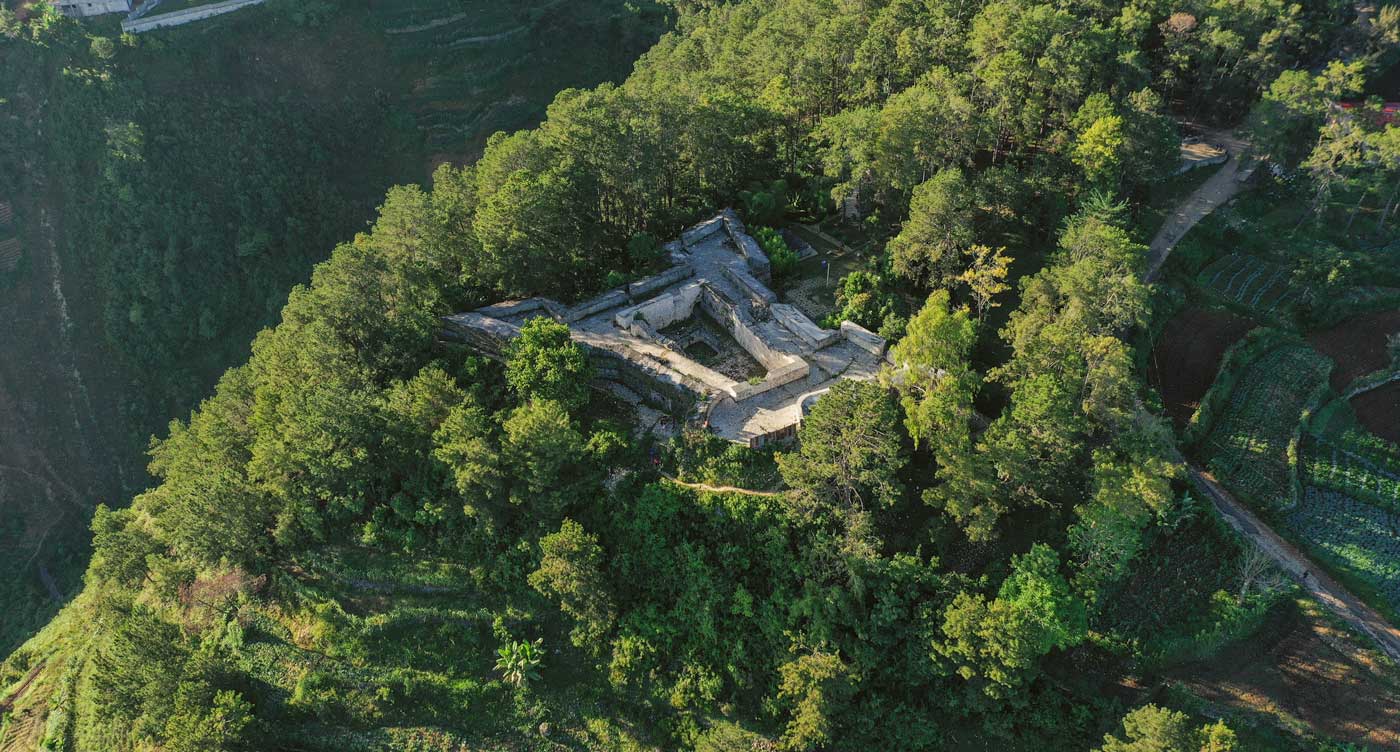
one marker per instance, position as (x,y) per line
(1357,345)
(1379,411)
(1187,355)
(1302,668)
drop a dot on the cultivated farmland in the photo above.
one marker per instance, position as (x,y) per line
(1262,286)
(1350,467)
(1248,445)
(1359,539)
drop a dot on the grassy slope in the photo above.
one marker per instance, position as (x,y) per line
(412,99)
(357,650)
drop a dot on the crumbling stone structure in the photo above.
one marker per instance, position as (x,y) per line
(84,8)
(642,335)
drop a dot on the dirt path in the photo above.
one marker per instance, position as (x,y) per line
(9,702)
(1221,187)
(1327,591)
(433,24)
(720,489)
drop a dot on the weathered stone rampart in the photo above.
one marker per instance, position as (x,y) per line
(863,338)
(813,336)
(188,15)
(662,310)
(719,273)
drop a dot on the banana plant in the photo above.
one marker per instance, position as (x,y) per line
(519,661)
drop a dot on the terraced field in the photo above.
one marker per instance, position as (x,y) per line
(1346,466)
(1259,285)
(1349,511)
(1354,537)
(1248,446)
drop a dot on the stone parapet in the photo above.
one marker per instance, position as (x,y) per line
(750,285)
(795,369)
(797,322)
(490,335)
(662,310)
(513,308)
(187,15)
(644,287)
(701,231)
(611,299)
(749,248)
(863,338)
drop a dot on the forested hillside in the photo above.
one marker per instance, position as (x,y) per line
(368,538)
(168,189)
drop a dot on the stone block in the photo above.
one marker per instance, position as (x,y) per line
(806,330)
(701,231)
(599,304)
(863,338)
(647,286)
(750,285)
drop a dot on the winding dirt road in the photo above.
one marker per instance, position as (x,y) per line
(1221,187)
(720,489)
(1326,590)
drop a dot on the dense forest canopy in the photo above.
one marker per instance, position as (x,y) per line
(368,538)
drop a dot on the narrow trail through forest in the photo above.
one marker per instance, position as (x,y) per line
(720,489)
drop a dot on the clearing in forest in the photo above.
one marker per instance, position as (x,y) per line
(1303,670)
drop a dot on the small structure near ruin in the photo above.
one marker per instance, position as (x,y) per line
(1196,153)
(705,337)
(85,8)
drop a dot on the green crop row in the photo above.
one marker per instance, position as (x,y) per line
(1253,443)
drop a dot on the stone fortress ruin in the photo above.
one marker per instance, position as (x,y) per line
(706,338)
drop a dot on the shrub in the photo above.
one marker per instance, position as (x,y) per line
(782,258)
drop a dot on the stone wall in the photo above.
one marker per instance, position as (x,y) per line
(797,322)
(863,338)
(727,315)
(662,310)
(644,287)
(794,370)
(749,248)
(520,311)
(601,303)
(484,333)
(84,8)
(782,368)
(750,285)
(701,231)
(182,17)
(657,387)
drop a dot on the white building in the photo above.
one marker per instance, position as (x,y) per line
(83,8)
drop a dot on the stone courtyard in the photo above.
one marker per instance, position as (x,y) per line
(706,337)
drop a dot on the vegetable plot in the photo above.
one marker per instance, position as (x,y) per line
(1248,446)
